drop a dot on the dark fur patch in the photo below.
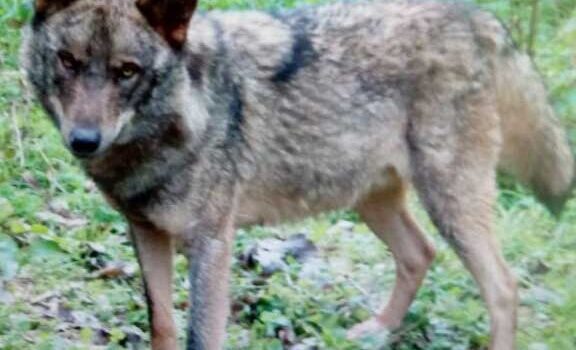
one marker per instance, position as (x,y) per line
(38,19)
(166,186)
(236,113)
(149,300)
(228,89)
(144,198)
(46,8)
(195,339)
(302,53)
(126,161)
(193,342)
(194,67)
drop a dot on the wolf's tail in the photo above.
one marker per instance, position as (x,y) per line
(535,146)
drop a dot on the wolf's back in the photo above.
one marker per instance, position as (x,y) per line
(535,146)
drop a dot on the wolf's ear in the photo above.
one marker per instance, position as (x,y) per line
(170,18)
(45,8)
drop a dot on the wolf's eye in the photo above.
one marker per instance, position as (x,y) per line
(68,60)
(128,70)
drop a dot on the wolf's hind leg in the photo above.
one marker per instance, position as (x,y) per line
(386,215)
(454,154)
(464,217)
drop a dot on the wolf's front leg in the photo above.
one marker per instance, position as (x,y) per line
(209,254)
(154,251)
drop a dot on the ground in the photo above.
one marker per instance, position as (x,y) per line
(69,280)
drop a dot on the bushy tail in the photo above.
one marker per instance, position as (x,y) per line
(535,146)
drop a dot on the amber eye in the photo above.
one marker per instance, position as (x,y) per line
(68,60)
(128,71)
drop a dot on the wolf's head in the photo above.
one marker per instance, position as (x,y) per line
(97,65)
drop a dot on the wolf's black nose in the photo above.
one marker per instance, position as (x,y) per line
(84,141)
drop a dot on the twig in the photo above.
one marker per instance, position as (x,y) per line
(362,291)
(18,136)
(533,27)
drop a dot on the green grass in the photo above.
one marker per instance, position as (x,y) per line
(50,298)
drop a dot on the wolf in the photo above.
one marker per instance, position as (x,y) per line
(193,127)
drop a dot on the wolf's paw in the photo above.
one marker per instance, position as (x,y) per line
(369,328)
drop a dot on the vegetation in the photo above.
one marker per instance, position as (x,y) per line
(68,277)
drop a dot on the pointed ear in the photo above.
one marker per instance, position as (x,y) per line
(45,8)
(170,18)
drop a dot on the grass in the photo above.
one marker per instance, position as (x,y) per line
(56,234)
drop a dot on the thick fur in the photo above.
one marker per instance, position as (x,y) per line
(535,147)
(260,118)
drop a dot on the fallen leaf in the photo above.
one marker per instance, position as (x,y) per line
(270,254)
(69,222)
(116,270)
